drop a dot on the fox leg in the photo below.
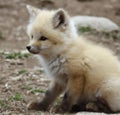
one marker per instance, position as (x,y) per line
(102,106)
(113,100)
(72,95)
(98,105)
(51,94)
(110,94)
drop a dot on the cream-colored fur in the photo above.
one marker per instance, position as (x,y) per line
(85,70)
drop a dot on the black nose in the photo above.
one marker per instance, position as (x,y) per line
(28,47)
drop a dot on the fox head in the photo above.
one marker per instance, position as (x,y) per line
(48,30)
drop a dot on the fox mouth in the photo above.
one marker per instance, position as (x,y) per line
(34,52)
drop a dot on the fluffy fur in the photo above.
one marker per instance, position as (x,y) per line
(83,70)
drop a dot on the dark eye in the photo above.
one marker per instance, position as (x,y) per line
(43,38)
(32,36)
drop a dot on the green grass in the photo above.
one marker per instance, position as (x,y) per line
(39,112)
(32,90)
(22,71)
(114,35)
(26,87)
(16,97)
(3,104)
(58,100)
(84,29)
(37,91)
(41,70)
(1,35)
(15,55)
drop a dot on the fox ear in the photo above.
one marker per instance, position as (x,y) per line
(60,19)
(32,11)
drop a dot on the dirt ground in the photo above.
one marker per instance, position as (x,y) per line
(21,77)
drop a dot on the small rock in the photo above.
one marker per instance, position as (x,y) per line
(98,23)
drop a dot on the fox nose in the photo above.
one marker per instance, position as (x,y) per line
(28,47)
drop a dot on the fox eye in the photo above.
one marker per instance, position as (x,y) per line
(43,38)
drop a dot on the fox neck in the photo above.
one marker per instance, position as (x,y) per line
(51,63)
(54,53)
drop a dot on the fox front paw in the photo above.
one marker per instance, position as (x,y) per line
(92,107)
(34,105)
(60,109)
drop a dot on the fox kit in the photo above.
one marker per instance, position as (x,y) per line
(82,70)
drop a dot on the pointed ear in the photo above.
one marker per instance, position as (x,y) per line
(60,19)
(32,11)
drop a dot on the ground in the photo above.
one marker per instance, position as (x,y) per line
(21,77)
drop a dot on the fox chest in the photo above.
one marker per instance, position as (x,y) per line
(55,67)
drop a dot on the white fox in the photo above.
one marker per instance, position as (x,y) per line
(84,71)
